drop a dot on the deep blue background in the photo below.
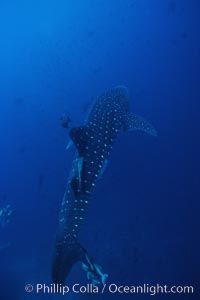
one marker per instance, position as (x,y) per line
(55,56)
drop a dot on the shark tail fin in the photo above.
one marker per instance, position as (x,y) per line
(67,253)
(135,122)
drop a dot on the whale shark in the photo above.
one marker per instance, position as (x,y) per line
(108,116)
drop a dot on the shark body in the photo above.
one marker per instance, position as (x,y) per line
(109,116)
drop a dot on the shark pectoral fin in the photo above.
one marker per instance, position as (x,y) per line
(69,145)
(135,122)
(80,136)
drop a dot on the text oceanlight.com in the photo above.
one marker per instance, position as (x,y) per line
(152,290)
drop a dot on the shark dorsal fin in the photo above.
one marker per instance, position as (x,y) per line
(80,136)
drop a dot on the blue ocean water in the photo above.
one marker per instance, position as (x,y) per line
(55,57)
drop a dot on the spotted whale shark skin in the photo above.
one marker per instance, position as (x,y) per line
(108,117)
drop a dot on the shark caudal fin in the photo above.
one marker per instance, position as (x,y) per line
(135,122)
(67,253)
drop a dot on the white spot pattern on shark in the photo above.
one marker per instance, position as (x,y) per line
(109,116)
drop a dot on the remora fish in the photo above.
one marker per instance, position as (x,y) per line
(109,116)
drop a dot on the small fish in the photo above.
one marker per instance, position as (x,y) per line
(5,215)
